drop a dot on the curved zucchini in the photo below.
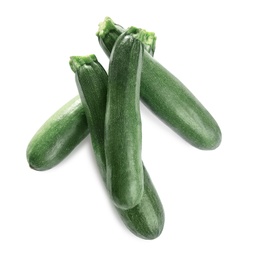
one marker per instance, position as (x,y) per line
(123,131)
(58,136)
(146,220)
(168,98)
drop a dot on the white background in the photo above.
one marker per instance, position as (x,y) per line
(208,196)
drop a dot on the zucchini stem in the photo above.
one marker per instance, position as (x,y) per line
(148,39)
(105,27)
(77,61)
(108,32)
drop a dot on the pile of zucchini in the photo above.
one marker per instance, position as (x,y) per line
(108,108)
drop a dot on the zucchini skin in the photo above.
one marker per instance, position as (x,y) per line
(170,100)
(58,136)
(146,220)
(123,131)
(177,107)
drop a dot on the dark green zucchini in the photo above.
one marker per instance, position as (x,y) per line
(146,220)
(168,98)
(58,136)
(123,131)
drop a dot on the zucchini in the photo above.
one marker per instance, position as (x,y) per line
(168,98)
(58,136)
(146,220)
(123,131)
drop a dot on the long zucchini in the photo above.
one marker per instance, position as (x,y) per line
(123,131)
(146,220)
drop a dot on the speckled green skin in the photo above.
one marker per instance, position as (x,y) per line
(173,103)
(168,98)
(123,130)
(58,136)
(146,220)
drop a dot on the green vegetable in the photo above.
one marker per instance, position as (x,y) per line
(146,220)
(58,136)
(168,98)
(123,131)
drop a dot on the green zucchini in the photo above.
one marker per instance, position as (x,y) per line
(123,131)
(58,136)
(146,220)
(168,98)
